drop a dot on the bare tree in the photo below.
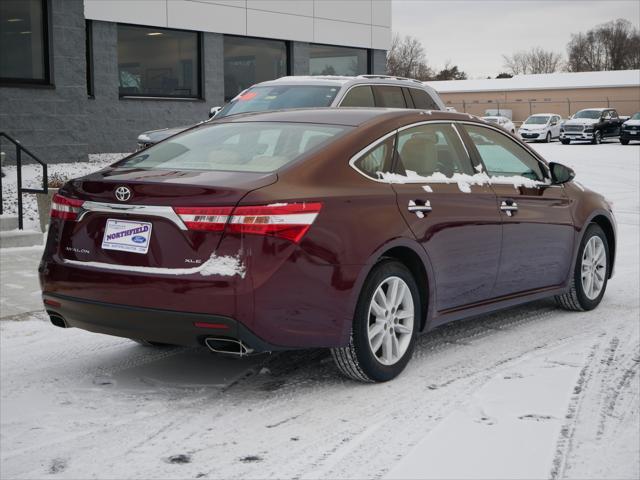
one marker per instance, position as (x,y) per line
(536,60)
(610,46)
(407,58)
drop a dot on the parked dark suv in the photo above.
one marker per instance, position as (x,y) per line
(350,229)
(591,124)
(319,91)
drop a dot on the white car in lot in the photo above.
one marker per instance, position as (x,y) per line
(541,126)
(501,121)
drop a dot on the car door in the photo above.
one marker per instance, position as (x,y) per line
(537,226)
(614,124)
(555,126)
(457,223)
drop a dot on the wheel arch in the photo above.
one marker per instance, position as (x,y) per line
(607,227)
(411,254)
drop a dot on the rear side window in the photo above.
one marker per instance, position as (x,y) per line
(377,160)
(359,97)
(235,147)
(502,156)
(432,148)
(390,97)
(422,100)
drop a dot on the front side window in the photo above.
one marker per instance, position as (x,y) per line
(390,97)
(377,160)
(502,156)
(23,41)
(429,149)
(235,147)
(261,99)
(248,61)
(330,60)
(158,62)
(359,97)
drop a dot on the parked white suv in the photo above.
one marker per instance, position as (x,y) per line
(501,121)
(541,126)
(320,91)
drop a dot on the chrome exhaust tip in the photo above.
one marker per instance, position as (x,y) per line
(227,346)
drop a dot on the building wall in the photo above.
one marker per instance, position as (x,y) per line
(60,123)
(354,23)
(565,102)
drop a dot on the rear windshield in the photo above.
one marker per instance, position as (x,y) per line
(261,99)
(235,147)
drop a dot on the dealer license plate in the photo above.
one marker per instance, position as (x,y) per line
(126,236)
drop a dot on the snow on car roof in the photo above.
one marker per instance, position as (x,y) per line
(618,78)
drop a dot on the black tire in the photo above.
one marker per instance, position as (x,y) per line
(597,137)
(547,139)
(356,360)
(565,141)
(576,299)
(624,141)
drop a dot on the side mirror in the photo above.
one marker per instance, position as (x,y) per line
(214,111)
(560,173)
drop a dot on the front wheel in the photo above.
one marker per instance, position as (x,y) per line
(624,141)
(383,332)
(547,139)
(597,138)
(591,273)
(565,141)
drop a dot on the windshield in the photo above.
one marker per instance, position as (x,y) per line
(236,147)
(537,120)
(260,99)
(635,116)
(593,114)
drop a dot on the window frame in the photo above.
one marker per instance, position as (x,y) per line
(477,158)
(47,81)
(199,74)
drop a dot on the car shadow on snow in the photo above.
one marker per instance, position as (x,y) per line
(196,369)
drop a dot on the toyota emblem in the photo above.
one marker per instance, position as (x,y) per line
(123,194)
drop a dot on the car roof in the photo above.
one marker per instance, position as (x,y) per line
(543,114)
(349,116)
(596,109)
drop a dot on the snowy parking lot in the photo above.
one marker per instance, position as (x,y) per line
(530,392)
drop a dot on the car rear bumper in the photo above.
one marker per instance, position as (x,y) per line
(155,325)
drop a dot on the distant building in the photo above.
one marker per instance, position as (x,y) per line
(79,77)
(561,93)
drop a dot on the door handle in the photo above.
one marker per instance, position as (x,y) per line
(509,207)
(419,210)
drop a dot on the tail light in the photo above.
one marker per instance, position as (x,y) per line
(287,220)
(290,221)
(212,219)
(65,208)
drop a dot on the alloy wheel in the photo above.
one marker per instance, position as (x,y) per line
(594,267)
(391,320)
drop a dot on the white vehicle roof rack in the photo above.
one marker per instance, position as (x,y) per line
(390,77)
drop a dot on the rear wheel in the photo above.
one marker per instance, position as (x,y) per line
(591,273)
(624,141)
(384,327)
(565,141)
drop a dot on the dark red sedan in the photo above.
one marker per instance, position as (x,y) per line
(352,229)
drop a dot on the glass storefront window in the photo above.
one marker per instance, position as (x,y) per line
(248,61)
(23,41)
(158,62)
(330,60)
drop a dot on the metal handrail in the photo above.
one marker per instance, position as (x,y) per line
(20,188)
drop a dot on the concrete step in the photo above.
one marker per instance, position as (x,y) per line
(20,238)
(8,222)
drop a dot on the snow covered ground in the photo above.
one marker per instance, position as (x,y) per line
(531,392)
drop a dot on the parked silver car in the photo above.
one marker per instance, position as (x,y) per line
(319,91)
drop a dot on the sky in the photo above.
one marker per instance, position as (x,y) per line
(474,34)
